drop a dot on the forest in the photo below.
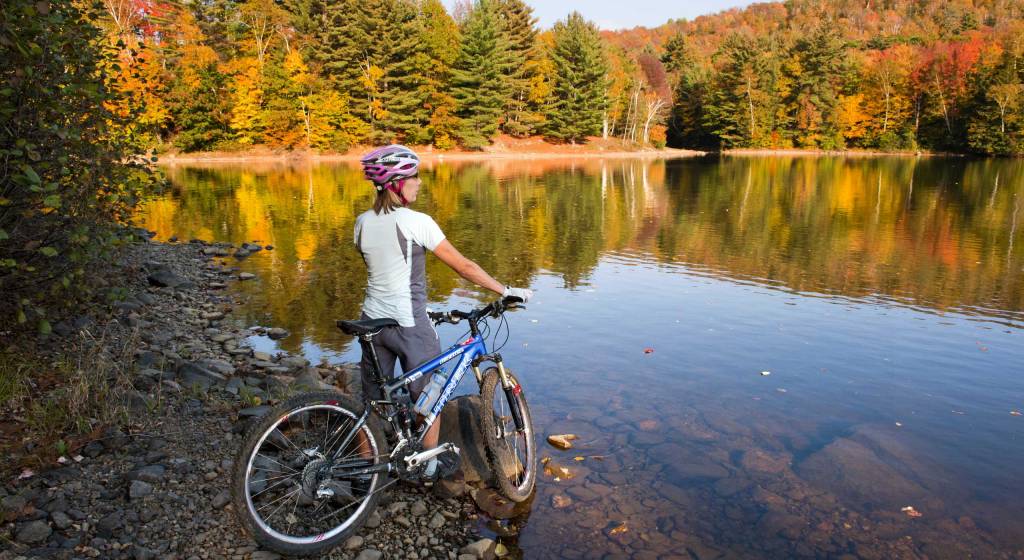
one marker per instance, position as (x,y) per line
(329,74)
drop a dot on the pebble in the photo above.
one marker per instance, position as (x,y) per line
(34,532)
(139,489)
(370,554)
(354,542)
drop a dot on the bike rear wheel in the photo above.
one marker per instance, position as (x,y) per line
(511,451)
(289,493)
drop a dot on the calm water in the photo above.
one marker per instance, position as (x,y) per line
(884,296)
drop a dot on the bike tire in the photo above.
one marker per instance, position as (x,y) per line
(245,479)
(496,425)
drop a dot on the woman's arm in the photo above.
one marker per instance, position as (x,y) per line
(467,268)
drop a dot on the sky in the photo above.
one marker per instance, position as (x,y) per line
(619,14)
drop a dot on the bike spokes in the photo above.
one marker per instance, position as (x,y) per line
(295,490)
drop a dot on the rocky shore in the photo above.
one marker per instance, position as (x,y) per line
(157,486)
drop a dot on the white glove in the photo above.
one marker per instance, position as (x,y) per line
(522,293)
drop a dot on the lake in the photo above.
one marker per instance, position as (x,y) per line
(763,357)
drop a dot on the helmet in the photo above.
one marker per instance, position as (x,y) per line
(390,163)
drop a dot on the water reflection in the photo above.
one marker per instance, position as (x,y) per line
(883,295)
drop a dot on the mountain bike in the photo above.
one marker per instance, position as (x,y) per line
(310,472)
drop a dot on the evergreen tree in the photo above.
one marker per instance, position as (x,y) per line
(734,110)
(817,73)
(689,96)
(519,25)
(477,83)
(345,49)
(580,87)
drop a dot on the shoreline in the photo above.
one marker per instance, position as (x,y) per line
(306,157)
(155,484)
(789,152)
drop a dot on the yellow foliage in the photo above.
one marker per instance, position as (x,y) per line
(853,121)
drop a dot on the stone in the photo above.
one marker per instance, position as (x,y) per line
(436,522)
(479,549)
(188,371)
(151,474)
(13,504)
(562,441)
(164,278)
(262,356)
(234,385)
(560,501)
(686,464)
(448,488)
(221,499)
(460,425)
(254,412)
(760,461)
(277,332)
(139,489)
(354,542)
(373,521)
(251,247)
(33,532)
(265,555)
(61,520)
(222,367)
(418,508)
(246,276)
(370,554)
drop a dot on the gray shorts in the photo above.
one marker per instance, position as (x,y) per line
(411,346)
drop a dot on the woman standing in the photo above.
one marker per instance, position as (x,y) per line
(393,241)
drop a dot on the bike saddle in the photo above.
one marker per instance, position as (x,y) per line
(366,327)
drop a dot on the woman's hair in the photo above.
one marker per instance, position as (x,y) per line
(386,201)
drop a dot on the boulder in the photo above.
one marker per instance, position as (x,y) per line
(460,425)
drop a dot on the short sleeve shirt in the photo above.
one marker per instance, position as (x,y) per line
(394,246)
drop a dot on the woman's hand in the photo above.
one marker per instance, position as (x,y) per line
(522,293)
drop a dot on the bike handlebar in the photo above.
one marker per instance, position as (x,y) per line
(493,309)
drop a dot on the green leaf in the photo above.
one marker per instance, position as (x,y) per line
(32,175)
(21,317)
(8,263)
(48,251)
(44,327)
(66,282)
(53,201)
(3,235)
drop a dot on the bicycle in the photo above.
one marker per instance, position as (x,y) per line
(310,472)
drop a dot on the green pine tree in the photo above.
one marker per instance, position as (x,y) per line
(580,85)
(477,78)
(519,25)
(814,100)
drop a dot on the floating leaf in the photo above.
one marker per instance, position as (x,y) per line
(21,317)
(910,511)
(48,251)
(579,458)
(44,327)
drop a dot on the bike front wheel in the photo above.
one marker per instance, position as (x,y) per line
(508,436)
(298,486)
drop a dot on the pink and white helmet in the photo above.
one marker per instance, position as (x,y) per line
(390,163)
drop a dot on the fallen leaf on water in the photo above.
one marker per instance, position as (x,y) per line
(1015,413)
(766,373)
(910,511)
(899,424)
(981,347)
(27,473)
(618,529)
(578,458)
(960,412)
(500,550)
(648,350)
(545,460)
(781,390)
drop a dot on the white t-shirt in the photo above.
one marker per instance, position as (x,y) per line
(394,247)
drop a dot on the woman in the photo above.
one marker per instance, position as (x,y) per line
(393,241)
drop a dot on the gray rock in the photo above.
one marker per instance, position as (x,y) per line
(13,504)
(242,253)
(164,278)
(262,356)
(190,370)
(253,412)
(403,521)
(370,554)
(222,367)
(418,508)
(221,499)
(139,489)
(152,474)
(460,425)
(246,276)
(373,521)
(265,555)
(354,542)
(33,532)
(110,523)
(436,522)
(234,386)
(60,520)
(142,553)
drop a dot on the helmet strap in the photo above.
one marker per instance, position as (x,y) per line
(396,187)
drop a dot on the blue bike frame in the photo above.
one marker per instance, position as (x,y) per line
(468,350)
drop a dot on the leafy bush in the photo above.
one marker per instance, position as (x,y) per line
(69,173)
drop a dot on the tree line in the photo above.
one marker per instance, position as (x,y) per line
(329,74)
(221,74)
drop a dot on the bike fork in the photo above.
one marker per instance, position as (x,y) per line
(512,391)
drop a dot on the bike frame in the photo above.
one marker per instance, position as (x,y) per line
(468,351)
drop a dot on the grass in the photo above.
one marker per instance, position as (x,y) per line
(52,404)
